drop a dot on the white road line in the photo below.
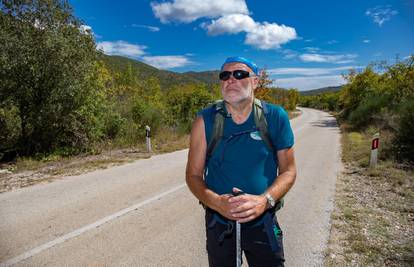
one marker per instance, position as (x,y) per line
(86,228)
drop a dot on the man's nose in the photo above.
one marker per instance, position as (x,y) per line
(231,79)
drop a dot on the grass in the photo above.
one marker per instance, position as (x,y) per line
(32,170)
(373,217)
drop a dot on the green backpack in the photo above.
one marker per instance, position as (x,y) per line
(259,111)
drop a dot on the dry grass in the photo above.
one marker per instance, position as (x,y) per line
(29,171)
(372,222)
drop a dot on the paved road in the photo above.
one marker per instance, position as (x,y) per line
(141,214)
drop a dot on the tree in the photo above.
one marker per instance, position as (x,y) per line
(185,101)
(48,71)
(263,91)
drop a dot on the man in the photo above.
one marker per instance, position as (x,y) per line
(241,162)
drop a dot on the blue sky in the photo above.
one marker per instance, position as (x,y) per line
(302,44)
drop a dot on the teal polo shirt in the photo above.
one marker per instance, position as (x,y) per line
(241,158)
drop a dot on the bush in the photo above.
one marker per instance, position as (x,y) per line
(184,102)
(404,139)
(113,124)
(145,113)
(368,109)
(10,130)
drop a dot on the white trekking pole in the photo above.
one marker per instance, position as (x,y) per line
(238,237)
(238,245)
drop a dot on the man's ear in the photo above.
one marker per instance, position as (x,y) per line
(255,82)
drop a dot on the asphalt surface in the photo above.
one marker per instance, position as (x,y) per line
(142,214)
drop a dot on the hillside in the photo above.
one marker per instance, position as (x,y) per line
(166,78)
(321,90)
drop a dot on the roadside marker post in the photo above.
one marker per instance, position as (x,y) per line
(374,151)
(148,137)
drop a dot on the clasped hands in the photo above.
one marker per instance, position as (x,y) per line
(242,208)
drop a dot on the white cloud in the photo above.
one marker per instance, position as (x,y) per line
(309,83)
(308,71)
(260,35)
(167,62)
(189,10)
(233,23)
(85,29)
(121,48)
(366,41)
(381,14)
(339,59)
(150,28)
(289,54)
(331,42)
(311,49)
(270,35)
(232,19)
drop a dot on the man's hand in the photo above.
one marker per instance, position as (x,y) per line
(224,206)
(246,207)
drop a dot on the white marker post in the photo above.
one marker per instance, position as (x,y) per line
(374,151)
(148,137)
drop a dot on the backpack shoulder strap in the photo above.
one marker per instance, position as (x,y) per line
(218,127)
(260,110)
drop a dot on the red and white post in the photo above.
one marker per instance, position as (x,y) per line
(374,151)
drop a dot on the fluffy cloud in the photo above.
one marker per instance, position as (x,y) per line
(232,19)
(381,14)
(340,59)
(167,62)
(366,41)
(121,48)
(190,10)
(309,83)
(233,23)
(261,35)
(270,35)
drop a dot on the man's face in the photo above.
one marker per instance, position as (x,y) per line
(236,91)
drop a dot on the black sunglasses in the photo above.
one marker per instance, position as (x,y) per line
(237,74)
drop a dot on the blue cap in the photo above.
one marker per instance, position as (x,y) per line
(243,60)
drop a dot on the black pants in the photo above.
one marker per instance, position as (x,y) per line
(255,243)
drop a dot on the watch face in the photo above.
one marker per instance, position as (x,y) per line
(270,200)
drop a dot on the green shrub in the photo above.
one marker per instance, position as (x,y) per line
(113,124)
(368,109)
(145,113)
(9,128)
(404,139)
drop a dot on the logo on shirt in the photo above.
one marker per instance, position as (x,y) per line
(255,135)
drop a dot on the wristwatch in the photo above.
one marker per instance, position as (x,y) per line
(270,200)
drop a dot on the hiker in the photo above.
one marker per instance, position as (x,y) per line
(240,165)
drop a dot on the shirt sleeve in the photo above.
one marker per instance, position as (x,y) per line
(284,134)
